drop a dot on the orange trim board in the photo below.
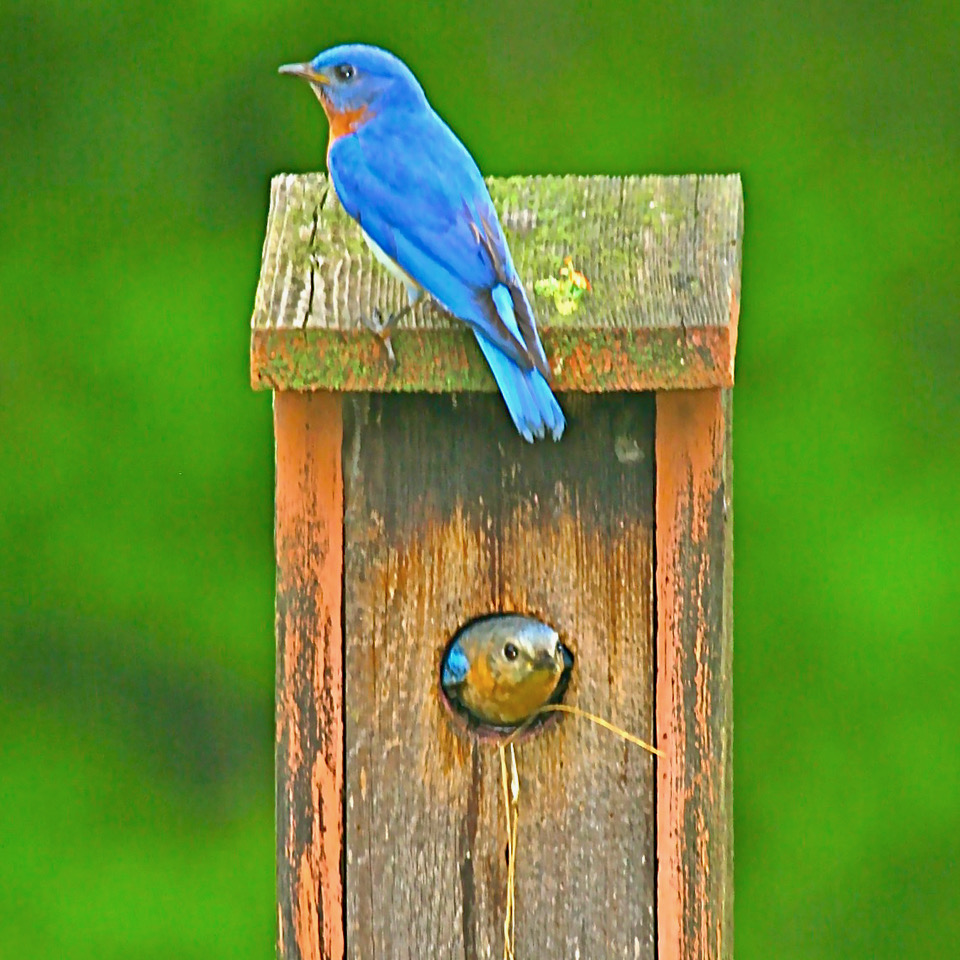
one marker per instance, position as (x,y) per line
(694,815)
(310,764)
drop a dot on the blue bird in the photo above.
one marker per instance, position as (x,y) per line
(425,211)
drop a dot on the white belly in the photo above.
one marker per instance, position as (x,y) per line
(414,290)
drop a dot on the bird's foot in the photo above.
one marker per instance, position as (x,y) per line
(435,306)
(382,328)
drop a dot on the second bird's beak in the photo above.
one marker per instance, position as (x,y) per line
(565,656)
(553,662)
(304,70)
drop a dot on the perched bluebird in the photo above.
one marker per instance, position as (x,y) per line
(499,670)
(424,209)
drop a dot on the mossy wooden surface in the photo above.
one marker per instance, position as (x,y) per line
(662,255)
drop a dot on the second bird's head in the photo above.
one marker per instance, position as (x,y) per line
(355,77)
(498,671)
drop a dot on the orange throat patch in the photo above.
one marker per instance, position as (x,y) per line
(342,122)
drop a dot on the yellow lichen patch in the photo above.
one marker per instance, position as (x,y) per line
(566,289)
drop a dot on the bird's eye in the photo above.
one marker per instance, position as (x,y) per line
(510,651)
(344,72)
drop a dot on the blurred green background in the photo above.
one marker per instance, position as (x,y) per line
(136,662)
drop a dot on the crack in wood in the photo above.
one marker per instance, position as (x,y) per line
(314,263)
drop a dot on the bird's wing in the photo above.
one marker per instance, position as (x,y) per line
(417,192)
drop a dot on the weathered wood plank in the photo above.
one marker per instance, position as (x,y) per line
(662,254)
(694,675)
(309,684)
(447,517)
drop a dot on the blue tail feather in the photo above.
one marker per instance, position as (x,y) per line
(532,405)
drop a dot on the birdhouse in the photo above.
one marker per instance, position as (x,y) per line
(407,504)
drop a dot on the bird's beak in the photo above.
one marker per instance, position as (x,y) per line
(546,661)
(306,71)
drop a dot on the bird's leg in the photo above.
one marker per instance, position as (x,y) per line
(383,328)
(437,307)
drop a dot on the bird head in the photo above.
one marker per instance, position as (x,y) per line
(501,669)
(353,78)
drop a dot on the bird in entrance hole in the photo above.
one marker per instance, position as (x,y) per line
(425,211)
(499,670)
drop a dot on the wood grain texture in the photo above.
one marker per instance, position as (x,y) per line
(309,684)
(662,254)
(694,675)
(448,515)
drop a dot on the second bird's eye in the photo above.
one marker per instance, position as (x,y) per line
(344,72)
(510,651)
